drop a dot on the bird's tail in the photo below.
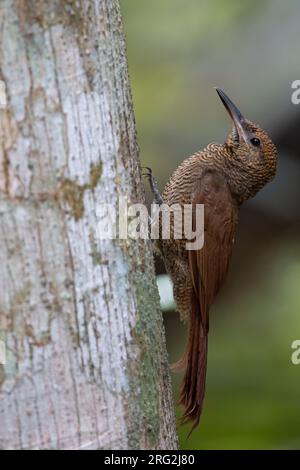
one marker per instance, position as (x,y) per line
(195,362)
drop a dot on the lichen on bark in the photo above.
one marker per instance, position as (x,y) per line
(72,193)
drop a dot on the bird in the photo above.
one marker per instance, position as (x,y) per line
(221,177)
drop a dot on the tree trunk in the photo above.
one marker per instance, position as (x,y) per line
(86,363)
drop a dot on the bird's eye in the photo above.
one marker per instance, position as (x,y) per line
(255,141)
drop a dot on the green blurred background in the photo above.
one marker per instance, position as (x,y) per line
(178,50)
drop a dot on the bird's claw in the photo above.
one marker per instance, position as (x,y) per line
(153,184)
(147,174)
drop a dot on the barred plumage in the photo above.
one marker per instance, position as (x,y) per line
(222,176)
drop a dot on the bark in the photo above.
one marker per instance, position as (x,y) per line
(86,363)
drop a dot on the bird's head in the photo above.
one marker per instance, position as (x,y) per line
(251,152)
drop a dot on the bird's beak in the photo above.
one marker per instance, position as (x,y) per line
(235,114)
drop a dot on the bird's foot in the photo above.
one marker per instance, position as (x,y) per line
(153,185)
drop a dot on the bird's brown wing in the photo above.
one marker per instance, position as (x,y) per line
(208,267)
